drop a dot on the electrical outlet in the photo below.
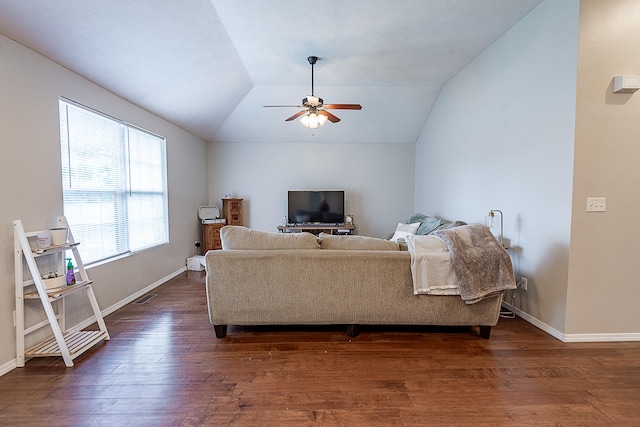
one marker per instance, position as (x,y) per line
(523,283)
(596,204)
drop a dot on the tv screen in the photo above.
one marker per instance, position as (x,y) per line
(315,207)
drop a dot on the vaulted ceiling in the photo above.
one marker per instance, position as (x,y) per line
(209,66)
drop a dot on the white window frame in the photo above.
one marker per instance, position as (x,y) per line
(114,182)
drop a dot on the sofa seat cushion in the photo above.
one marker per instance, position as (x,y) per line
(348,243)
(242,238)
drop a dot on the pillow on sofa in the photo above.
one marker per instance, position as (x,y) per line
(347,243)
(238,237)
(427,223)
(403,230)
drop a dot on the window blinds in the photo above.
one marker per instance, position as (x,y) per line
(114,183)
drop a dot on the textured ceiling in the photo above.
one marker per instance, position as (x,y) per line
(210,65)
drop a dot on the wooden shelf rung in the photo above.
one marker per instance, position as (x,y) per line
(77,342)
(55,294)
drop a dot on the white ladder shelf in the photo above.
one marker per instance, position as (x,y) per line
(65,343)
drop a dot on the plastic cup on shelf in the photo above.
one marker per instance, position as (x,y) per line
(59,236)
(44,239)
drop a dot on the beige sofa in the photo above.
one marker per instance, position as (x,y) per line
(262,278)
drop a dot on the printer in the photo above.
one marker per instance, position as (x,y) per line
(210,215)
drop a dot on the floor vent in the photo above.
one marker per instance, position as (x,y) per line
(146,299)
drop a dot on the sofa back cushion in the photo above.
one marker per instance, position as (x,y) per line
(328,241)
(238,237)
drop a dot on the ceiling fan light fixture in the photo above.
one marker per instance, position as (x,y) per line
(313,120)
(322,119)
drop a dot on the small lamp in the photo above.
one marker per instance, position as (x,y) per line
(490,221)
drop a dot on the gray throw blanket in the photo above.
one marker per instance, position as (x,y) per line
(482,266)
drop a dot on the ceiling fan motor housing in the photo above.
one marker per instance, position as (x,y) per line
(312,101)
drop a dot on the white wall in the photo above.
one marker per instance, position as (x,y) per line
(31,189)
(604,270)
(377,179)
(501,136)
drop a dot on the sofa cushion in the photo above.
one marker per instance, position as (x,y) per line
(328,241)
(238,237)
(402,230)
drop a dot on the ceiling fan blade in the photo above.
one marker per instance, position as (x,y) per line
(296,115)
(343,106)
(331,117)
(292,106)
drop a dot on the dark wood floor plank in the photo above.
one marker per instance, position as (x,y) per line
(164,367)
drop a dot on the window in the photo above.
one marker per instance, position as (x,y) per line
(114,183)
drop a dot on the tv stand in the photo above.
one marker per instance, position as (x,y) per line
(318,228)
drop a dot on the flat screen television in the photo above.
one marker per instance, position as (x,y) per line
(315,207)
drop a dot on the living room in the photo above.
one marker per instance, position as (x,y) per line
(531,126)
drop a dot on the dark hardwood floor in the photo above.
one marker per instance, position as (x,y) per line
(164,367)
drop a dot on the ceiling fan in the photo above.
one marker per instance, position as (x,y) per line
(314,113)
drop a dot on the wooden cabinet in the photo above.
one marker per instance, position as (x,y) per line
(211,237)
(232,211)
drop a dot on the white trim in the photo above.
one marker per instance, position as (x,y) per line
(535,322)
(613,337)
(143,291)
(8,367)
(129,299)
(610,337)
(12,364)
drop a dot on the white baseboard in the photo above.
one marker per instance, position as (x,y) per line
(141,292)
(602,337)
(129,299)
(535,322)
(610,337)
(8,367)
(12,364)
